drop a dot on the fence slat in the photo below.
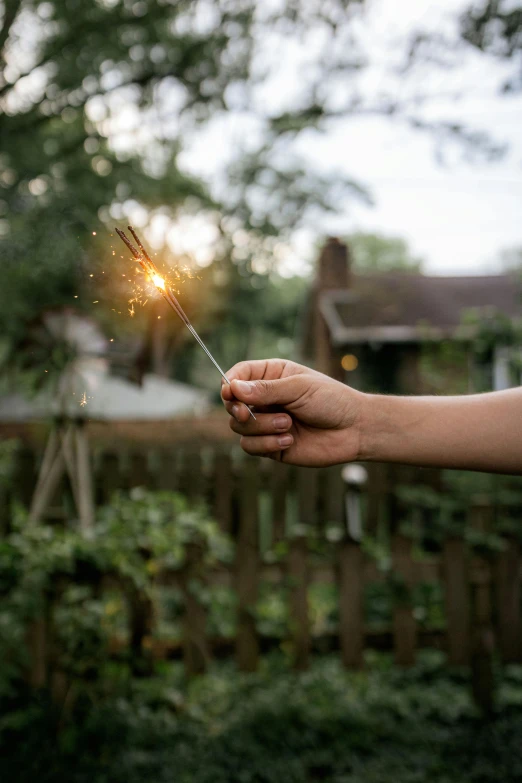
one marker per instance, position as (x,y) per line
(457,600)
(166,474)
(195,647)
(223,490)
(508,593)
(138,470)
(192,481)
(404,626)
(279,485)
(141,617)
(334,501)
(307,485)
(483,640)
(351,603)
(299,622)
(109,477)
(247,567)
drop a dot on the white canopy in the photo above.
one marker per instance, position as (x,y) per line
(106,397)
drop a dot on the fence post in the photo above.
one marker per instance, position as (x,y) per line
(298,578)
(141,613)
(192,482)
(403,575)
(25,476)
(508,594)
(247,567)
(351,603)
(457,600)
(108,479)
(36,639)
(138,470)
(346,512)
(483,641)
(279,481)
(297,569)
(195,648)
(223,489)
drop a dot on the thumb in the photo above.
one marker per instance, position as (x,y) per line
(282,391)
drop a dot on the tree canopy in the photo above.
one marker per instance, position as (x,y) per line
(378,253)
(99,103)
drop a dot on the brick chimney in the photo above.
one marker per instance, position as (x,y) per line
(333,273)
(334,266)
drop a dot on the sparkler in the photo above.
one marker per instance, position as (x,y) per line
(149,267)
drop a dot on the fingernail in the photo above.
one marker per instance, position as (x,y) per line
(284,440)
(235,411)
(244,387)
(281,423)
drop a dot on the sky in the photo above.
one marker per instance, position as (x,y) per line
(457,215)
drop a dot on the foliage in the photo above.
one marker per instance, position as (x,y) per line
(383,724)
(495,27)
(378,253)
(452,366)
(444,367)
(448,512)
(135,537)
(100,103)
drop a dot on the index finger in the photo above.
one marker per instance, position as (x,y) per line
(255,370)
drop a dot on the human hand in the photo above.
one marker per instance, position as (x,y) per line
(302,416)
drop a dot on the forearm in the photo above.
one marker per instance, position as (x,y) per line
(474,432)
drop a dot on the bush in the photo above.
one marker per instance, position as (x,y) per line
(381,725)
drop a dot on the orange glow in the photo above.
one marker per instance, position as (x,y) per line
(349,362)
(158,282)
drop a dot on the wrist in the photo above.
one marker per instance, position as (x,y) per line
(376,424)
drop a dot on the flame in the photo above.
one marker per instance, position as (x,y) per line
(158,282)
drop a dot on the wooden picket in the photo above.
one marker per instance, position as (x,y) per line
(482,595)
(247,565)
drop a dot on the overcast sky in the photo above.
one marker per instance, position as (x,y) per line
(461,215)
(458,216)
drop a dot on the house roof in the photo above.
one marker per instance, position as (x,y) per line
(404,307)
(110,399)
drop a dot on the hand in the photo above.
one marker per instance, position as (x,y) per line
(302,416)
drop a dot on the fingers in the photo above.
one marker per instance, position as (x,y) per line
(282,391)
(257,369)
(250,371)
(238,410)
(265,424)
(265,445)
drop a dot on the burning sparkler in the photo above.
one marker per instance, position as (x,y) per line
(151,272)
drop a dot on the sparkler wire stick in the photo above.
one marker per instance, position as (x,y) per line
(151,271)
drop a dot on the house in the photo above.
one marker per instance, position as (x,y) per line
(379,332)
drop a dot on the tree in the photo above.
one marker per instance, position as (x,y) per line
(378,253)
(511,259)
(495,27)
(99,100)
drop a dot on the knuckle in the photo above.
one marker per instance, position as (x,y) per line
(264,387)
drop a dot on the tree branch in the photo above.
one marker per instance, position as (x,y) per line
(11,9)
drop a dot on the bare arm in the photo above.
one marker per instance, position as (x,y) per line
(472,432)
(306,418)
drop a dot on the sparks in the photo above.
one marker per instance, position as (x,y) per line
(158,281)
(151,272)
(83,400)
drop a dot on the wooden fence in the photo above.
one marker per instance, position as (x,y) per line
(262,503)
